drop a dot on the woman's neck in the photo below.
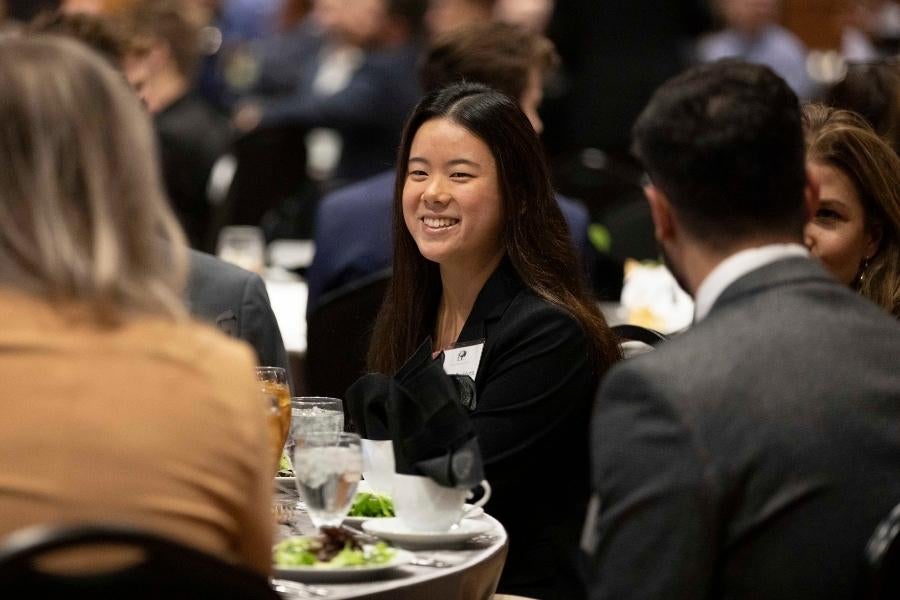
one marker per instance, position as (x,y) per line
(460,289)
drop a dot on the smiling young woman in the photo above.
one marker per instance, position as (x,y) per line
(482,257)
(856,230)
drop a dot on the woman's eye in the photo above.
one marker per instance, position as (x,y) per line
(418,174)
(460,175)
(826,214)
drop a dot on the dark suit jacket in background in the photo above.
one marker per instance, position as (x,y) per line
(235,300)
(354,239)
(534,388)
(752,456)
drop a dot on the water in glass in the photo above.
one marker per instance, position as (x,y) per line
(328,469)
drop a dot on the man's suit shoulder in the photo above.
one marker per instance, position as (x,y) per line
(770,337)
(206,269)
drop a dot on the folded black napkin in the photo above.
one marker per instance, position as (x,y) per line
(422,408)
(367,404)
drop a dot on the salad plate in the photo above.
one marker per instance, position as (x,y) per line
(325,572)
(394,530)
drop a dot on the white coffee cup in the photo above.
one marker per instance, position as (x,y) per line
(378,464)
(423,505)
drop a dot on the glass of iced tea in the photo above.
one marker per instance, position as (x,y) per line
(277,393)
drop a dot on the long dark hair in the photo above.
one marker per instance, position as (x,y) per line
(535,234)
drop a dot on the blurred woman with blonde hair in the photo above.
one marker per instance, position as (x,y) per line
(115,407)
(856,229)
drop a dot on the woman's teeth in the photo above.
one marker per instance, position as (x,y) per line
(436,223)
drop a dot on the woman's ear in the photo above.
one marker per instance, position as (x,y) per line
(874,231)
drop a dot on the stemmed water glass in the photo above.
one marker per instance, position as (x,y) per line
(328,468)
(310,415)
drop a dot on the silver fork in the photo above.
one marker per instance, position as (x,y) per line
(286,586)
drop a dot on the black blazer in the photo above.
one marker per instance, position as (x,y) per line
(534,386)
(752,456)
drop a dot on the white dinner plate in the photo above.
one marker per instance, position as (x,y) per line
(325,574)
(394,530)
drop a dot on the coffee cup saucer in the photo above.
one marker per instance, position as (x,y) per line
(395,531)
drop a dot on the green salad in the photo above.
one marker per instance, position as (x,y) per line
(285,468)
(366,504)
(318,552)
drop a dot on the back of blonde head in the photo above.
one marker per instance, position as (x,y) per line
(82,212)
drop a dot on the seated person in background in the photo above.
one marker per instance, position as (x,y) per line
(353,232)
(115,406)
(482,255)
(752,33)
(444,16)
(160,63)
(753,455)
(871,90)
(856,229)
(217,292)
(354,79)
(100,33)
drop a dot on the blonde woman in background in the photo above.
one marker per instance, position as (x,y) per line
(114,406)
(856,229)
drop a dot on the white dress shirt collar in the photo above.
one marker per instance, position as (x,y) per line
(736,266)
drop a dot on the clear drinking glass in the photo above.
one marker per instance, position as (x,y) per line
(328,468)
(244,246)
(277,395)
(314,414)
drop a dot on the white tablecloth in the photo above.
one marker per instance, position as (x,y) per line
(288,299)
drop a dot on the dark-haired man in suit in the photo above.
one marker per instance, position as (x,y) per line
(754,455)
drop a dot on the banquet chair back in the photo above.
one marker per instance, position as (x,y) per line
(268,167)
(338,334)
(883,558)
(162,568)
(636,340)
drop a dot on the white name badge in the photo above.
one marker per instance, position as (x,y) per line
(463,359)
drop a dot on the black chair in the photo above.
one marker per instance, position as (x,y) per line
(883,559)
(269,171)
(636,333)
(338,334)
(163,569)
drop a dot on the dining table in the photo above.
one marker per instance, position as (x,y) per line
(468,570)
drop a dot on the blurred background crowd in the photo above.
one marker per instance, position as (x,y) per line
(285,119)
(265,107)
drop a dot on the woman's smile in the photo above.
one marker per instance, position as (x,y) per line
(439,223)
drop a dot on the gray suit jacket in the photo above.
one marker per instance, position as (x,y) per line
(235,300)
(752,456)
